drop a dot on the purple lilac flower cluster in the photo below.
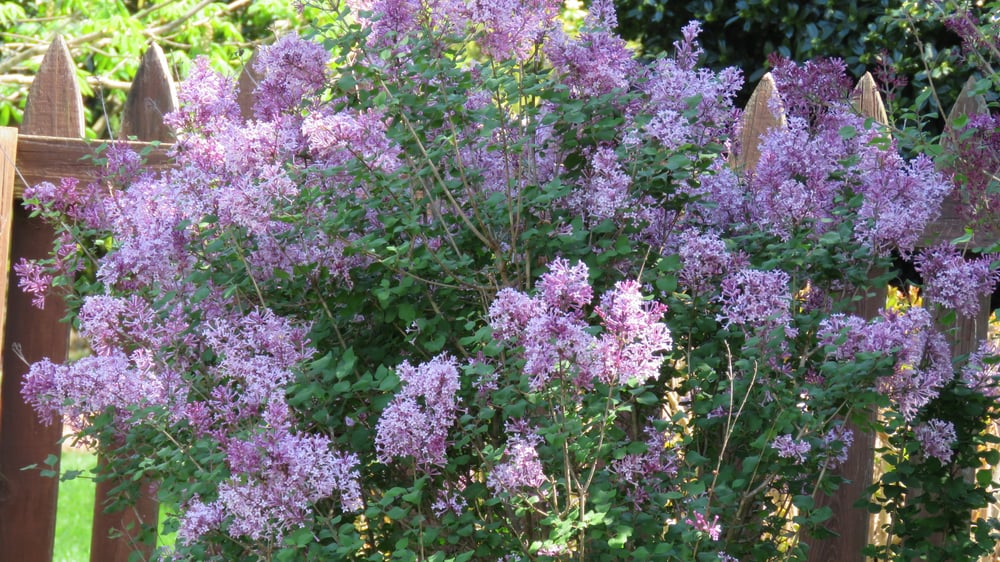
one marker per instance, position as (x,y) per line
(838,441)
(789,447)
(277,473)
(556,339)
(634,335)
(672,83)
(605,192)
(34,279)
(757,301)
(277,476)
(416,423)
(977,170)
(809,90)
(508,29)
(936,437)
(705,260)
(801,176)
(922,355)
(641,473)
(976,40)
(93,385)
(951,280)
(701,523)
(521,469)
(597,61)
(982,374)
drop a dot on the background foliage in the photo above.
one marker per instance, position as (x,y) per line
(890,38)
(107,39)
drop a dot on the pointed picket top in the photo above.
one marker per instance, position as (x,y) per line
(966,104)
(868,101)
(152,96)
(54,106)
(952,223)
(247,84)
(764,112)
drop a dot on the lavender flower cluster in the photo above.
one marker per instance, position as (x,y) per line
(416,423)
(557,341)
(922,354)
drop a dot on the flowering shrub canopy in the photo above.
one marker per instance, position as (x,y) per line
(470,286)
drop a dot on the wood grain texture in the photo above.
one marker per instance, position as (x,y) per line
(763,113)
(28,502)
(152,96)
(47,158)
(54,105)
(8,158)
(247,85)
(868,101)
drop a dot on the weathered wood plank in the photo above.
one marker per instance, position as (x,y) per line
(951,225)
(54,105)
(124,526)
(28,509)
(47,158)
(853,525)
(966,104)
(868,101)
(763,113)
(8,158)
(115,536)
(247,84)
(152,96)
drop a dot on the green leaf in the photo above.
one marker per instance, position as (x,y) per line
(964,238)
(847,132)
(984,478)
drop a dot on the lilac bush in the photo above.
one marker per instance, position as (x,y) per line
(470,286)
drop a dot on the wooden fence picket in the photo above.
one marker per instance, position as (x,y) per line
(8,159)
(116,535)
(853,525)
(28,506)
(247,83)
(762,113)
(153,95)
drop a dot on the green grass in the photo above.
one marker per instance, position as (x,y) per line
(75,513)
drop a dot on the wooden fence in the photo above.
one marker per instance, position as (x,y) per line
(49,146)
